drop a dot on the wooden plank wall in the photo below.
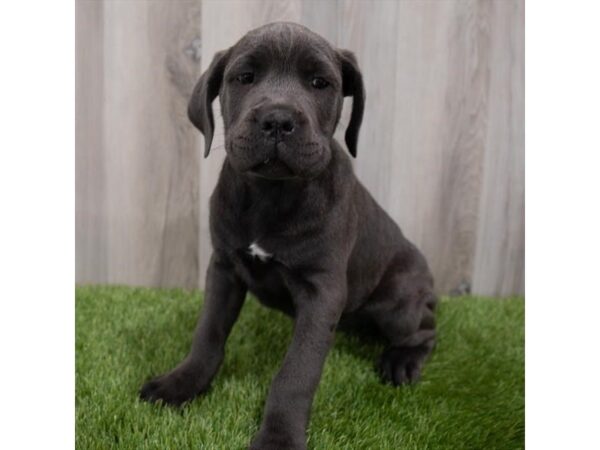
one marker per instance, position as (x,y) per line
(137,156)
(441,148)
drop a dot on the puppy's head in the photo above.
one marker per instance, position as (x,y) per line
(281,90)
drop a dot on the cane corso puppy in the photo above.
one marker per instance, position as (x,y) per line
(291,224)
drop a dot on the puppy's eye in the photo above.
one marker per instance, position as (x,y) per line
(245,78)
(319,83)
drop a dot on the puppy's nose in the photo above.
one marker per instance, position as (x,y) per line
(277,123)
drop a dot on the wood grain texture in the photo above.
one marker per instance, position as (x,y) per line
(499,267)
(146,192)
(441,148)
(441,114)
(91,247)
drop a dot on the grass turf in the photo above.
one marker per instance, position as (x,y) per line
(471,395)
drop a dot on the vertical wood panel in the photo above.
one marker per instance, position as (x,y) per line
(500,254)
(442,108)
(90,221)
(149,181)
(322,17)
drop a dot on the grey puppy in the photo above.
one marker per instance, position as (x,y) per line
(290,223)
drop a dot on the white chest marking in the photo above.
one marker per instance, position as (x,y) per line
(257,252)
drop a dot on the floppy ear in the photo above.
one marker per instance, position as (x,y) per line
(352,86)
(206,90)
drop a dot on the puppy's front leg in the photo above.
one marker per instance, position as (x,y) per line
(290,398)
(224,296)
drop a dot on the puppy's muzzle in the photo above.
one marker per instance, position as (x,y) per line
(274,139)
(279,122)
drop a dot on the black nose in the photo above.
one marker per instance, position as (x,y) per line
(277,123)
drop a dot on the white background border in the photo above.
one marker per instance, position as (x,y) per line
(37,373)
(562,147)
(562,227)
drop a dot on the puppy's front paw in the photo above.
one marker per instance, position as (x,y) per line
(174,388)
(402,365)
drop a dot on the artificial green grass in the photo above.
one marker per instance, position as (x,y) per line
(471,395)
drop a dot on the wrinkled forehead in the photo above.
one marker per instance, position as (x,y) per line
(285,45)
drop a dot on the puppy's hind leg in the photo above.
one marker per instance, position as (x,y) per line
(402,363)
(403,308)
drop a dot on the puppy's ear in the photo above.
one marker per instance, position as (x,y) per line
(206,90)
(352,86)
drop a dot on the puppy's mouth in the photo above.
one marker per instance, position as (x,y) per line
(272,168)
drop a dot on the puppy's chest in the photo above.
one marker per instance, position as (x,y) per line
(259,233)
(259,267)
(255,245)
(252,243)
(257,252)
